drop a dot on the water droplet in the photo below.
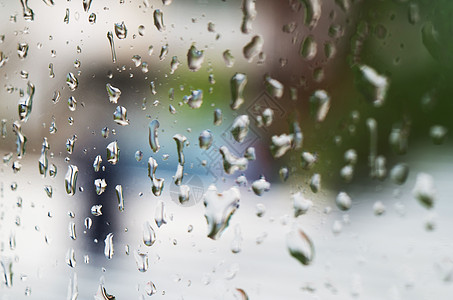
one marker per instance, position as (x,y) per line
(301,204)
(72,81)
(150,288)
(315,183)
(105,132)
(179,174)
(274,87)
(113,92)
(70,258)
(232,163)
(253,48)
(372,85)
(424,190)
(52,170)
(438,134)
(180,141)
(240,128)
(100,185)
(260,186)
(141,30)
(92,18)
(120,116)
(184,194)
(97,163)
(414,13)
(157,183)
(220,207)
(43,162)
(153,141)
(218,117)
(88,222)
(108,248)
(86,5)
(72,231)
(70,142)
(141,259)
(113,153)
(149,236)
(312,12)
(300,246)
(102,294)
(378,208)
(22,50)
(159,19)
(96,210)
(70,179)
(399,173)
(20,140)
(26,102)
(205,139)
(120,30)
(280,144)
(236,244)
(112,46)
(27,11)
(72,103)
(174,64)
(249,14)
(66,17)
(159,215)
(49,190)
(228,58)
(343,201)
(163,52)
(319,105)
(195,58)
(238,82)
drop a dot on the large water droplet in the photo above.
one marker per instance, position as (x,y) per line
(180,141)
(194,58)
(159,19)
(120,116)
(240,128)
(238,82)
(108,248)
(119,197)
(205,139)
(100,185)
(120,30)
(260,186)
(195,100)
(113,153)
(319,105)
(312,12)
(72,81)
(113,92)
(253,48)
(153,141)
(424,190)
(301,204)
(399,173)
(232,163)
(371,84)
(343,201)
(141,259)
(220,207)
(274,87)
(112,46)
(308,47)
(26,102)
(249,14)
(300,246)
(149,236)
(70,179)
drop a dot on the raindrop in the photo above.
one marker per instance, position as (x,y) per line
(120,30)
(113,153)
(249,14)
(159,20)
(97,163)
(163,52)
(228,58)
(220,207)
(72,81)
(205,139)
(343,201)
(150,288)
(260,186)
(66,17)
(100,185)
(112,45)
(159,215)
(308,47)
(231,163)
(96,210)
(72,231)
(240,128)
(372,85)
(141,259)
(92,18)
(301,204)
(315,183)
(424,190)
(22,50)
(108,248)
(217,117)
(174,64)
(26,102)
(253,48)
(113,92)
(70,179)
(312,12)
(319,105)
(194,58)
(70,258)
(274,87)
(120,116)
(399,173)
(153,141)
(149,236)
(300,246)
(27,11)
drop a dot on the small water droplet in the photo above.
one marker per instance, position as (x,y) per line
(70,180)
(113,153)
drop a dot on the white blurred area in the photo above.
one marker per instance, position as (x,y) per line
(391,256)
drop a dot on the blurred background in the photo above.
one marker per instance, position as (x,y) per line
(356,154)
